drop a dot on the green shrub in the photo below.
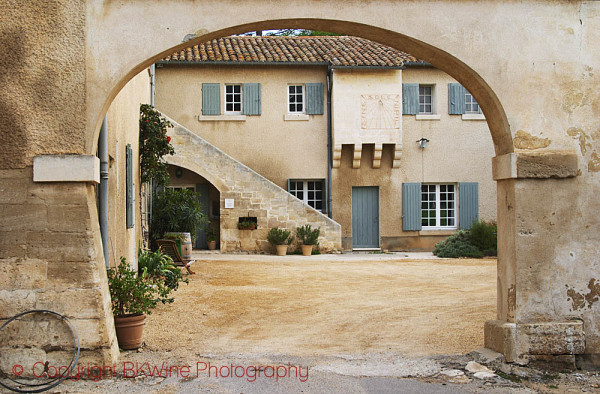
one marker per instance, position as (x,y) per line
(308,235)
(130,293)
(176,211)
(279,236)
(457,245)
(161,270)
(483,235)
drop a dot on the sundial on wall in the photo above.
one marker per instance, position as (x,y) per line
(380,111)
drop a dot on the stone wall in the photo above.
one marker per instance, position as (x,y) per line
(51,258)
(253,195)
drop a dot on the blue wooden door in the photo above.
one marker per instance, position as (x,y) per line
(365,217)
(202,188)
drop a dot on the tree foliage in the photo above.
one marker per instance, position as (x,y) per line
(154,144)
(176,211)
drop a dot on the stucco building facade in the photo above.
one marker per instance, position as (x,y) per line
(342,94)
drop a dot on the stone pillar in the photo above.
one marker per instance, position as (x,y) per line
(534,323)
(51,258)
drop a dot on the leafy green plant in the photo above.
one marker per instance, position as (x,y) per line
(279,236)
(308,235)
(174,236)
(457,245)
(176,211)
(154,144)
(247,225)
(211,234)
(131,294)
(162,271)
(482,234)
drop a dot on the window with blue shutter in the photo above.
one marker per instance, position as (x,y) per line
(410,98)
(314,98)
(411,206)
(211,99)
(468,194)
(252,100)
(129,191)
(456,99)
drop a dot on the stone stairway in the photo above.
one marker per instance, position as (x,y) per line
(252,194)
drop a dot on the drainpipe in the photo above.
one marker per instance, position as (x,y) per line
(152,83)
(103,190)
(329,139)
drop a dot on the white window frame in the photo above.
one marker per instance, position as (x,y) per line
(305,191)
(241,99)
(303,111)
(432,95)
(438,209)
(181,187)
(470,102)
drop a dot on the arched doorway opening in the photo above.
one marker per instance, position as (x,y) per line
(444,61)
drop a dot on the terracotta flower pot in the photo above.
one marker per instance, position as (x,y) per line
(212,245)
(306,250)
(130,330)
(281,250)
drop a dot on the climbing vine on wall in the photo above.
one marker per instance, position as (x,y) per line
(154,144)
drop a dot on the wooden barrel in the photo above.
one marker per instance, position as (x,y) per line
(186,247)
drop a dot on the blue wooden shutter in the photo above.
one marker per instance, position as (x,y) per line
(252,100)
(130,206)
(211,99)
(456,99)
(468,194)
(410,98)
(314,98)
(411,206)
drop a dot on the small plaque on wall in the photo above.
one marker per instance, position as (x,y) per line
(229,203)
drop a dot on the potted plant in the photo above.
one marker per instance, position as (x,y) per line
(134,295)
(309,237)
(281,238)
(211,238)
(247,225)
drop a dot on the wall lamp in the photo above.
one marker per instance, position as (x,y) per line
(423,143)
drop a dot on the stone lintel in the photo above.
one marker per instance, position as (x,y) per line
(535,165)
(66,168)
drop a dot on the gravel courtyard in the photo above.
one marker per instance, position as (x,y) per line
(327,305)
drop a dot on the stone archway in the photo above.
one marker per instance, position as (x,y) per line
(540,93)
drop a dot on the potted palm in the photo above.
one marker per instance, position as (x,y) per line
(309,237)
(281,238)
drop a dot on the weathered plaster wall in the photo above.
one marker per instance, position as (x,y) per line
(267,143)
(123,128)
(43,80)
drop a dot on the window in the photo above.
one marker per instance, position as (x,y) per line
(296,99)
(438,206)
(425,99)
(311,192)
(182,187)
(233,99)
(471,105)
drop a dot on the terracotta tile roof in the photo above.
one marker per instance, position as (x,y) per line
(340,51)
